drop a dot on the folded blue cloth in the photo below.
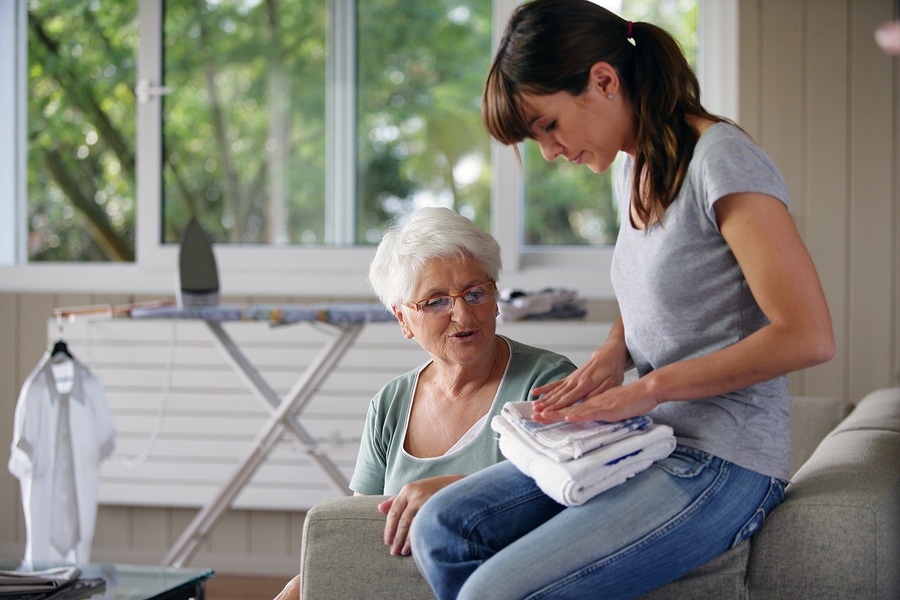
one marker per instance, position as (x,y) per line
(565,441)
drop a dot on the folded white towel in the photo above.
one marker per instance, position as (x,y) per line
(574,482)
(564,441)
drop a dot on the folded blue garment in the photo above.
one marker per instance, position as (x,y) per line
(566,441)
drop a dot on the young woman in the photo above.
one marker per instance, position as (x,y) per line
(719,299)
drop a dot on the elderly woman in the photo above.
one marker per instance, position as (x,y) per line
(426,429)
(430,427)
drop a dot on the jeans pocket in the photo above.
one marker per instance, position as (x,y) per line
(685,462)
(774,496)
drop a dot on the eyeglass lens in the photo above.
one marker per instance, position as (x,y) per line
(474,296)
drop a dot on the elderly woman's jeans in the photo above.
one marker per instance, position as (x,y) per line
(495,535)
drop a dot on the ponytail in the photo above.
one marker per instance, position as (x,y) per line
(664,92)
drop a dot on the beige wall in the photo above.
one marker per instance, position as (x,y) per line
(823,100)
(818,96)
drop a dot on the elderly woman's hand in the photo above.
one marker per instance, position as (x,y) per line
(402,508)
(291,591)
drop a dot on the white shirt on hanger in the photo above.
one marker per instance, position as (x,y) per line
(58,379)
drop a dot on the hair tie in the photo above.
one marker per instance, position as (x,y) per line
(629,33)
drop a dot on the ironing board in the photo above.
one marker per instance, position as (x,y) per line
(347,320)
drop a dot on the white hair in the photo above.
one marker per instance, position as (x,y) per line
(427,234)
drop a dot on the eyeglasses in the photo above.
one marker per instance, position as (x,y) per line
(476,295)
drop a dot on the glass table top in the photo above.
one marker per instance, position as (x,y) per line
(129,582)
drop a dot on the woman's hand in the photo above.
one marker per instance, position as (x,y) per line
(611,404)
(402,508)
(605,370)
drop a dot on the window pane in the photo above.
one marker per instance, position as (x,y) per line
(567,204)
(421,70)
(81,127)
(244,127)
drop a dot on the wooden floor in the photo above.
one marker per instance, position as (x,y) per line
(231,587)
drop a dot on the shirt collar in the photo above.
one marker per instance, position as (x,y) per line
(77,391)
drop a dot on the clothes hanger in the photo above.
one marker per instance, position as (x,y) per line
(60,347)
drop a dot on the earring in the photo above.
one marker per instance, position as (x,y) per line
(611,96)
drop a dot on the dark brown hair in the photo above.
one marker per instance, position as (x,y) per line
(550,46)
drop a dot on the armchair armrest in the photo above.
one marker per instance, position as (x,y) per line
(343,555)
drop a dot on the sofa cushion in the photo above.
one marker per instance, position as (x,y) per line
(722,578)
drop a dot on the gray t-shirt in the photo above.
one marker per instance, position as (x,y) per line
(682,295)
(383,466)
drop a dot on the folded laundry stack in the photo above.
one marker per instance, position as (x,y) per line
(573,462)
(549,303)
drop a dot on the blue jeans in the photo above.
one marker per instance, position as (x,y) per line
(495,535)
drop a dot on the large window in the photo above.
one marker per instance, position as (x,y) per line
(294,130)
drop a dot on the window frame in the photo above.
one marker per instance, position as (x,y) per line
(319,272)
